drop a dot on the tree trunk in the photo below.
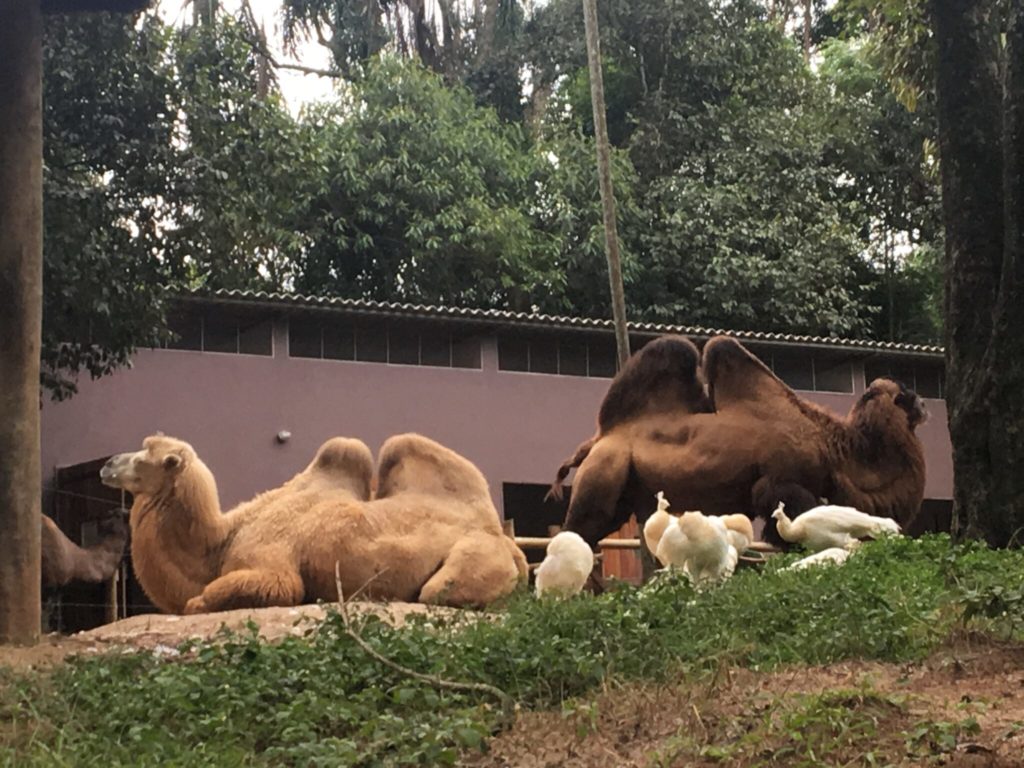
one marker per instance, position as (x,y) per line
(21,263)
(807,31)
(604,177)
(611,235)
(980,163)
(487,30)
(1003,522)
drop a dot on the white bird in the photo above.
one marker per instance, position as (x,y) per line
(656,524)
(566,567)
(830,556)
(740,531)
(831,526)
(699,545)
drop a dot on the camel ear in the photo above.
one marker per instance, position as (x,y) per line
(172,461)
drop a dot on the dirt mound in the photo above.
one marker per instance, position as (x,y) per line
(964,706)
(163,633)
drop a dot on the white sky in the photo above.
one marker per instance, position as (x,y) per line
(297,88)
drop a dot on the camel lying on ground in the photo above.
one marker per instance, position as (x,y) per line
(431,534)
(744,444)
(63,561)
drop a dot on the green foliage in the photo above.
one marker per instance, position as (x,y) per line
(886,154)
(162,170)
(425,198)
(245,165)
(109,167)
(321,700)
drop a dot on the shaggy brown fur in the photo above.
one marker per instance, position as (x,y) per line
(432,534)
(664,378)
(63,561)
(761,444)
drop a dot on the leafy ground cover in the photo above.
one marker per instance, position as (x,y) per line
(321,699)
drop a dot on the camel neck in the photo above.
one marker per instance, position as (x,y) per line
(884,469)
(177,540)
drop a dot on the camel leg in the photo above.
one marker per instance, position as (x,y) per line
(765,497)
(594,508)
(477,571)
(249,588)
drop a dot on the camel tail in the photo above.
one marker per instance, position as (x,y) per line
(555,491)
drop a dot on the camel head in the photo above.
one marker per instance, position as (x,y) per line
(886,396)
(161,460)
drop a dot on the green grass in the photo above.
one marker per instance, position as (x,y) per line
(321,700)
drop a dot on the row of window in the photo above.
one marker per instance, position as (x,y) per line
(396,344)
(927,380)
(238,332)
(222,331)
(594,357)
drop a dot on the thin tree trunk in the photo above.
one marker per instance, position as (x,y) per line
(981,205)
(604,175)
(611,235)
(21,263)
(487,31)
(807,31)
(890,274)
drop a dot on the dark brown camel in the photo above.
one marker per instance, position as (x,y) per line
(743,445)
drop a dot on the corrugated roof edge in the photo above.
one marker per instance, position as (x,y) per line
(508,317)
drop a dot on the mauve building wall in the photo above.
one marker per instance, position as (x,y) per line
(516,427)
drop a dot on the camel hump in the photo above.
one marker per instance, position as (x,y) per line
(345,458)
(342,453)
(412,462)
(738,379)
(664,375)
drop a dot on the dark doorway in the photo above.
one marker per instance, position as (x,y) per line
(533,516)
(80,502)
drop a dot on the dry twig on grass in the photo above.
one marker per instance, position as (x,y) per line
(508,705)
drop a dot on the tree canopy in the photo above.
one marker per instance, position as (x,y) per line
(454,165)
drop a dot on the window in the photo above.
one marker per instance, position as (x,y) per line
(403,347)
(795,368)
(187,330)
(602,358)
(875,369)
(435,348)
(572,358)
(256,338)
(372,345)
(832,375)
(339,341)
(305,338)
(513,354)
(466,352)
(400,344)
(544,356)
(218,329)
(927,379)
(576,356)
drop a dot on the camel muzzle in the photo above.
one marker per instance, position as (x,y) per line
(111,471)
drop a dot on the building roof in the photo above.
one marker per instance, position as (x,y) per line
(507,318)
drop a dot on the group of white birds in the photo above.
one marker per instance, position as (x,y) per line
(706,549)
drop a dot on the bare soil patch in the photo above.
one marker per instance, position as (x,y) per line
(162,633)
(964,706)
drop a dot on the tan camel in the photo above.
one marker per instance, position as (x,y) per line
(432,534)
(63,561)
(745,444)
